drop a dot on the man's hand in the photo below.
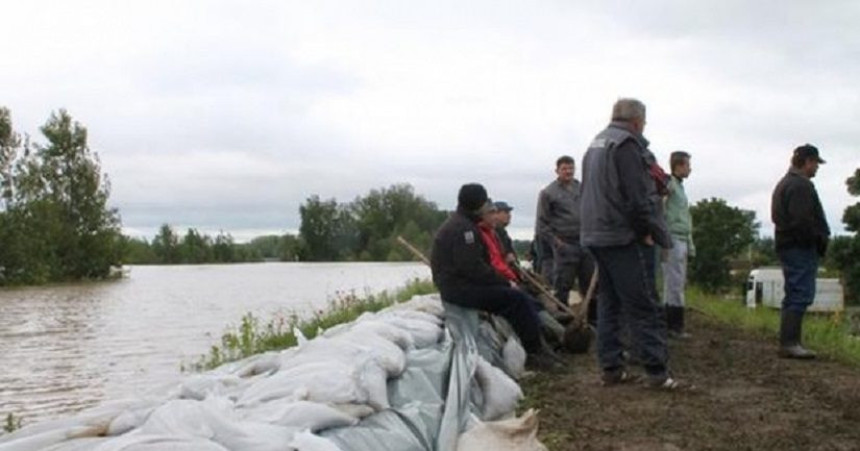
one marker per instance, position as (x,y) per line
(648,241)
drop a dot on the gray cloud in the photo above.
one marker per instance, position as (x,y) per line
(228,115)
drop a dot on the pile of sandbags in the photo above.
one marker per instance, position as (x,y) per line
(376,383)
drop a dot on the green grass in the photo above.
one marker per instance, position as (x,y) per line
(253,337)
(828,334)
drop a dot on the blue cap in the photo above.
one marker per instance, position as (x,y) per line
(502,206)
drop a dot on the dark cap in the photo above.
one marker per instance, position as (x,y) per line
(502,206)
(472,197)
(807,151)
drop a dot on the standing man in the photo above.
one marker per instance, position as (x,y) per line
(802,235)
(503,219)
(680,224)
(621,222)
(558,224)
(460,264)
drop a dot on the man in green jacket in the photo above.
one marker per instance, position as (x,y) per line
(680,224)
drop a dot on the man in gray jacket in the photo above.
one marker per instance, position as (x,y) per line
(621,221)
(558,224)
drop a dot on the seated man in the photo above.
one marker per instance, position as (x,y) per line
(462,271)
(489,227)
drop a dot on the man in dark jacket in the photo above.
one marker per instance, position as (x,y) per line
(802,235)
(462,272)
(620,223)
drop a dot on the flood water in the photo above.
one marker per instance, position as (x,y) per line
(67,347)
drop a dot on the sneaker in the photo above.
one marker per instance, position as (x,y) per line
(667,383)
(796,352)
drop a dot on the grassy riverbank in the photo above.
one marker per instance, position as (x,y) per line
(252,336)
(829,334)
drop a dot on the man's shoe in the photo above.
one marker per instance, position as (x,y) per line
(796,352)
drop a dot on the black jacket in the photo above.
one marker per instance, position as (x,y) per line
(459,258)
(797,214)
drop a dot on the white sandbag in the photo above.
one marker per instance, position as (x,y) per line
(265,363)
(92,421)
(516,434)
(300,414)
(412,315)
(355,410)
(200,386)
(178,417)
(501,393)
(388,331)
(514,356)
(354,347)
(305,441)
(131,418)
(45,439)
(235,434)
(325,381)
(148,442)
(427,303)
(424,333)
(79,444)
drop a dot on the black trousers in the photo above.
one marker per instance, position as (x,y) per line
(512,304)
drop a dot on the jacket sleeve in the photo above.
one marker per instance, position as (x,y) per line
(544,228)
(468,257)
(631,166)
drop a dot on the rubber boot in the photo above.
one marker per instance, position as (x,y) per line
(790,332)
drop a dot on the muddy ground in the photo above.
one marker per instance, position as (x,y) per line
(744,399)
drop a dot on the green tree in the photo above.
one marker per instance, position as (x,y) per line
(721,233)
(56,224)
(195,248)
(165,245)
(844,252)
(224,250)
(328,230)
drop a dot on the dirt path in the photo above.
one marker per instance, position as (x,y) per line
(745,399)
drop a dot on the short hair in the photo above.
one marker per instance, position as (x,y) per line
(628,109)
(564,159)
(678,158)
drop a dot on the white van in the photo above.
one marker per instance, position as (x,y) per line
(765,286)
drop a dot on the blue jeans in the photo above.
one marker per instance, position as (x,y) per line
(799,268)
(628,299)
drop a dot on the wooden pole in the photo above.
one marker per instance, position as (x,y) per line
(420,255)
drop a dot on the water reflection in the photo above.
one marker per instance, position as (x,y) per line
(67,347)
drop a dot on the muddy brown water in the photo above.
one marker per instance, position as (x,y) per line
(67,347)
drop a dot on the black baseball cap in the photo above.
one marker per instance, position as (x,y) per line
(808,151)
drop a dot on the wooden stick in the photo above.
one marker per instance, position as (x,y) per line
(546,292)
(579,317)
(420,255)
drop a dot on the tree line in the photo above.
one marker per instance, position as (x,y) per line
(362,230)
(56,225)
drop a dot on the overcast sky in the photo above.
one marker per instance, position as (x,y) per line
(228,115)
